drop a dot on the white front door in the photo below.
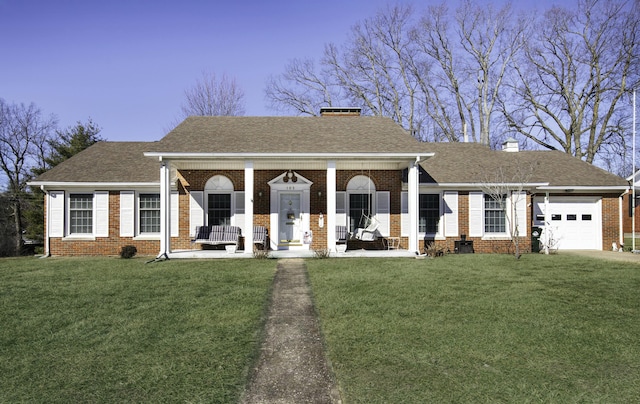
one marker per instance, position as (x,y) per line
(290,231)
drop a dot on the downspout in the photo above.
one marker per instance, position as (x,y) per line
(47,253)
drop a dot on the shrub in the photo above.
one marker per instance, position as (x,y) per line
(324,253)
(260,254)
(128,251)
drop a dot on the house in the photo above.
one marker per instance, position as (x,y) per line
(303,178)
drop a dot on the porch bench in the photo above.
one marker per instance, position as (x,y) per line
(260,236)
(342,235)
(218,235)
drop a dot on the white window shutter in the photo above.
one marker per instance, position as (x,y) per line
(55,212)
(127,213)
(196,211)
(175,214)
(238,215)
(404,214)
(101,199)
(521,211)
(476,214)
(341,208)
(450,213)
(383,212)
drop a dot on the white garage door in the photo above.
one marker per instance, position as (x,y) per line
(575,222)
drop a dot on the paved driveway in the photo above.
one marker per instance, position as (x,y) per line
(607,255)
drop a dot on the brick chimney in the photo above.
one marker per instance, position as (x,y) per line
(340,111)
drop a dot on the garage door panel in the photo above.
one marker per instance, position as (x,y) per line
(574,222)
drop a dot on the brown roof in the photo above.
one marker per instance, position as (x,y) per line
(228,134)
(107,162)
(469,163)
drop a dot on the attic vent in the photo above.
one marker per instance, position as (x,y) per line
(510,145)
(335,111)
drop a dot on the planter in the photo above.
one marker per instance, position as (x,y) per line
(341,248)
(231,249)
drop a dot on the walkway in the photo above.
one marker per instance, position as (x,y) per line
(292,367)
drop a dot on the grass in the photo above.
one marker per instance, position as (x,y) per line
(114,330)
(481,328)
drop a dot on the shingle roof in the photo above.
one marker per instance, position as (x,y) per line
(106,162)
(467,163)
(224,134)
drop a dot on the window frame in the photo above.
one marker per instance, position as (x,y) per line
(230,195)
(439,214)
(138,214)
(487,228)
(69,209)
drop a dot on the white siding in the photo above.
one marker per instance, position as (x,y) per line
(101,199)
(450,199)
(55,212)
(127,213)
(196,211)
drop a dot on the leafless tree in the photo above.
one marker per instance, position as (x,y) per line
(301,89)
(213,96)
(507,186)
(462,65)
(23,129)
(575,71)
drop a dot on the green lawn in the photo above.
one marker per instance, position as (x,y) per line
(481,328)
(113,330)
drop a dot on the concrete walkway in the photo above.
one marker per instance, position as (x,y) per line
(292,367)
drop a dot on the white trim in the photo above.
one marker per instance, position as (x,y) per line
(175,214)
(333,156)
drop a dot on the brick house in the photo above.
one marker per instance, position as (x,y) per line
(301,178)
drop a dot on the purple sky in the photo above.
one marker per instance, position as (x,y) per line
(126,63)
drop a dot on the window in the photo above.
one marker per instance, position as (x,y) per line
(494,214)
(149,213)
(219,209)
(572,217)
(586,217)
(359,211)
(429,213)
(81,213)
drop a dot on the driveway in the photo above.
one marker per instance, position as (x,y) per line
(605,255)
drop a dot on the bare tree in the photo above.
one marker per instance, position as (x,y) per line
(576,68)
(22,130)
(507,188)
(211,96)
(463,62)
(301,89)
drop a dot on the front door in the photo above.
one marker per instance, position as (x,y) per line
(290,220)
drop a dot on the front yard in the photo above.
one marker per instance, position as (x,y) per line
(462,328)
(111,330)
(481,329)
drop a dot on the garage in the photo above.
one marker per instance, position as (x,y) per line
(575,223)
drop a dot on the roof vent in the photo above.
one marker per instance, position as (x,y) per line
(337,111)
(510,145)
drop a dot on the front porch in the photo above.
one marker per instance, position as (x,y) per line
(278,254)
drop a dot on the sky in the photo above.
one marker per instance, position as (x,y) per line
(125,64)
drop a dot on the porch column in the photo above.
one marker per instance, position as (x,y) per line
(546,222)
(165,210)
(330,214)
(413,207)
(248,207)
